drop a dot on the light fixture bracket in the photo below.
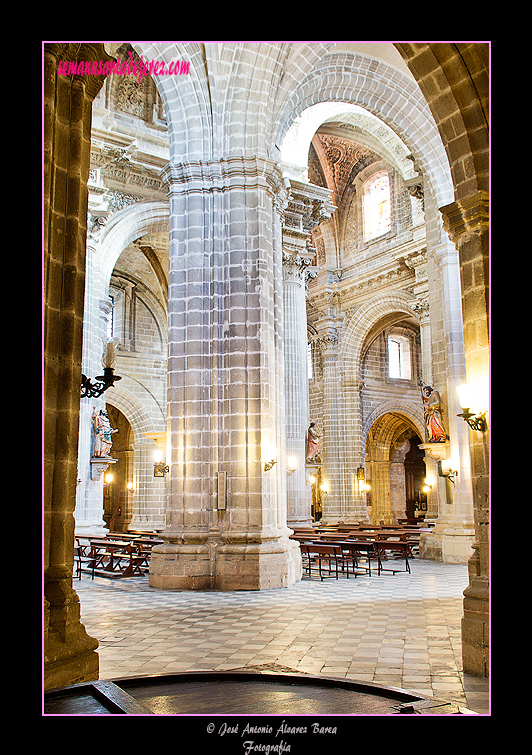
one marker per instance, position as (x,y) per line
(160,469)
(105,381)
(475,421)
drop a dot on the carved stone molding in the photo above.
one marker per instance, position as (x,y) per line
(421,308)
(99,465)
(295,267)
(436,451)
(328,344)
(470,214)
(308,206)
(227,173)
(115,201)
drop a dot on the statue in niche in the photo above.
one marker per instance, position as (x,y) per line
(432,412)
(102,433)
(313,445)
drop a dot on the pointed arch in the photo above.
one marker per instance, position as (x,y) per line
(367,320)
(123,228)
(143,413)
(403,412)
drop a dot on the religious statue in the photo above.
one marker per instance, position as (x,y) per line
(432,411)
(313,445)
(102,433)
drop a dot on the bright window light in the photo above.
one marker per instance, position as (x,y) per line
(399,359)
(377,206)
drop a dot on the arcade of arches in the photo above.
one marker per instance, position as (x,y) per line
(278,234)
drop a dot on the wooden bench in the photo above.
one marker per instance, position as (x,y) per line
(82,559)
(134,565)
(107,557)
(365,549)
(322,555)
(397,546)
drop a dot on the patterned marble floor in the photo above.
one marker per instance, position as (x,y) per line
(399,630)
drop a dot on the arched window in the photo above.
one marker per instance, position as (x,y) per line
(399,357)
(377,206)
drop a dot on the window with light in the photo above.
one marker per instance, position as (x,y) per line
(399,358)
(377,206)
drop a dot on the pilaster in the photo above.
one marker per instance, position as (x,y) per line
(453,535)
(467,223)
(332,444)
(296,384)
(307,206)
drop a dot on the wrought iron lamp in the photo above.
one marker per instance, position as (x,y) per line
(268,454)
(475,421)
(473,397)
(108,379)
(105,381)
(448,469)
(160,469)
(363,486)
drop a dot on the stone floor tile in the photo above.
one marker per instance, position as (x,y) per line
(401,631)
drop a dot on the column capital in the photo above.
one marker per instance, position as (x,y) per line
(308,206)
(329,344)
(240,172)
(422,310)
(467,215)
(296,267)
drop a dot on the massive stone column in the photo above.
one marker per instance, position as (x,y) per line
(89,504)
(357,510)
(70,654)
(226,504)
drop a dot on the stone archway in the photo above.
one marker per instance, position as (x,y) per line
(117,496)
(388,442)
(147,500)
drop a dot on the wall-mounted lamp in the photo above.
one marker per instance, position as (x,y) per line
(427,487)
(474,398)
(160,469)
(268,455)
(108,379)
(361,477)
(108,478)
(292,464)
(105,381)
(130,487)
(324,488)
(448,469)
